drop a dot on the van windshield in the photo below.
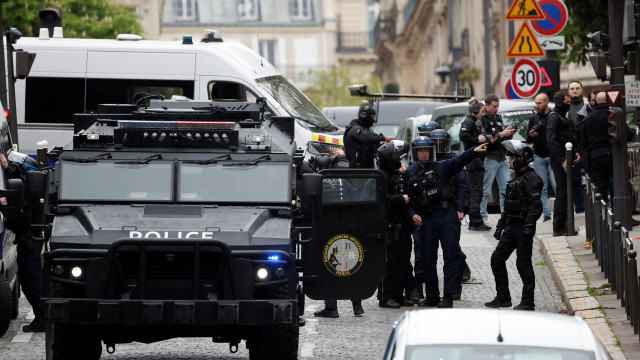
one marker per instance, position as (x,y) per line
(296,104)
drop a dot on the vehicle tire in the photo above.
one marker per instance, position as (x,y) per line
(6,305)
(16,299)
(71,342)
(275,342)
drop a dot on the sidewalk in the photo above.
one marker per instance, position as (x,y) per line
(585,290)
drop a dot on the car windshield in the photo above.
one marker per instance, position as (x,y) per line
(520,118)
(257,182)
(295,103)
(389,130)
(493,352)
(105,181)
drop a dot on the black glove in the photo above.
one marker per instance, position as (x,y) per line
(529,232)
(498,233)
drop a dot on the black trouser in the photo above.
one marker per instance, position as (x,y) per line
(476,177)
(601,172)
(30,273)
(513,239)
(418,268)
(398,274)
(333,304)
(578,191)
(560,203)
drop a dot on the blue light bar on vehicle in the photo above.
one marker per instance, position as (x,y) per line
(273,258)
(167,125)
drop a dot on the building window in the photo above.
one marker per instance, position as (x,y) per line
(268,50)
(248,9)
(185,9)
(302,9)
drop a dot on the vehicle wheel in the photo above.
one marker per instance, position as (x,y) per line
(71,342)
(6,305)
(275,342)
(16,299)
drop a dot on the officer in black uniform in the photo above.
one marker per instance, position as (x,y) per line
(360,143)
(398,274)
(472,134)
(29,241)
(426,128)
(460,186)
(516,227)
(559,131)
(433,209)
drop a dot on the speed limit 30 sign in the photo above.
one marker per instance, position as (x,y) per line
(525,78)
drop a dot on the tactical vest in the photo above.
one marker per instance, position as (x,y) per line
(516,199)
(430,192)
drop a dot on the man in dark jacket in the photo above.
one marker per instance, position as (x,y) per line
(518,221)
(495,165)
(576,104)
(596,147)
(560,130)
(433,209)
(360,143)
(536,134)
(472,134)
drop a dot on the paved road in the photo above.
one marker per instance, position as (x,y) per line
(346,338)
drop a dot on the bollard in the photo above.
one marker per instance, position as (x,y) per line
(624,288)
(633,286)
(594,217)
(598,222)
(611,264)
(588,210)
(617,243)
(571,230)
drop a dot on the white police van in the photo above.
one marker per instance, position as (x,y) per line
(72,76)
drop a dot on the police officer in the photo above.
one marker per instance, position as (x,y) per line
(460,186)
(433,209)
(472,134)
(360,143)
(398,274)
(29,242)
(317,163)
(560,130)
(426,128)
(516,227)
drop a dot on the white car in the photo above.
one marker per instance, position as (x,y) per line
(491,334)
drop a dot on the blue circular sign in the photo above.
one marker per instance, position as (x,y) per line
(556,16)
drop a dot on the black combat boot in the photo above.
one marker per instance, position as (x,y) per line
(389,303)
(497,303)
(447,301)
(327,313)
(525,306)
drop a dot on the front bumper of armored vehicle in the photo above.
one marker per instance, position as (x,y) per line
(188,287)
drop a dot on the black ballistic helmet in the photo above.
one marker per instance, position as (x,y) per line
(323,161)
(389,154)
(427,128)
(522,153)
(366,115)
(441,140)
(423,142)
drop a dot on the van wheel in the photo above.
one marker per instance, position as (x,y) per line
(6,305)
(16,299)
(64,341)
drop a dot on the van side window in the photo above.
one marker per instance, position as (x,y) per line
(53,100)
(224,90)
(122,91)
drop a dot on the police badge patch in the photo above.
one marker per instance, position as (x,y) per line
(343,255)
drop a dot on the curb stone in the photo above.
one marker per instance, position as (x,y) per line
(571,281)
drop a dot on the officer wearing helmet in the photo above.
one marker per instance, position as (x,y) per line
(517,226)
(458,185)
(398,275)
(19,219)
(360,143)
(433,210)
(427,128)
(341,189)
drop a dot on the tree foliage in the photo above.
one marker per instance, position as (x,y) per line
(585,16)
(97,19)
(331,87)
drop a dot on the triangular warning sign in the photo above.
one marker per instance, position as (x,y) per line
(525,10)
(613,95)
(545,80)
(525,44)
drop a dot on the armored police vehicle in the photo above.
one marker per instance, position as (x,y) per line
(192,219)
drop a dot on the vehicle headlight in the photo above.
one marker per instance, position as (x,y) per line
(262,273)
(76,272)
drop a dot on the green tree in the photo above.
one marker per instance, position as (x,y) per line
(331,87)
(97,19)
(585,16)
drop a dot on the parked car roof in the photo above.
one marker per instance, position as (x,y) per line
(425,331)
